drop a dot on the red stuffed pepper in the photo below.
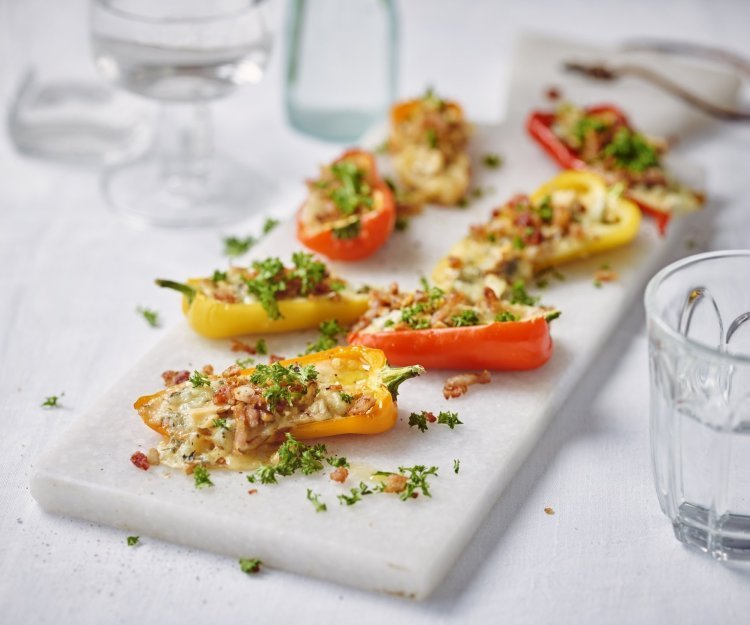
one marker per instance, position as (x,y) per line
(600,138)
(445,330)
(349,212)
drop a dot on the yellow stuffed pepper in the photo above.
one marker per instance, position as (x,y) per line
(219,420)
(572,216)
(267,297)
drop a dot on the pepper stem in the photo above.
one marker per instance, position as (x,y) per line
(188,291)
(392,377)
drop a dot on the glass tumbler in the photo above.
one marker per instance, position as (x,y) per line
(699,350)
(341,65)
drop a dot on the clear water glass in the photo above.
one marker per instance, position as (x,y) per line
(341,65)
(183,54)
(60,109)
(699,349)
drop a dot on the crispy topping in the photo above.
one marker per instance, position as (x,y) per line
(175,377)
(140,461)
(459,384)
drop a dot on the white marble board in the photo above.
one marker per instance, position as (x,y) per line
(382,543)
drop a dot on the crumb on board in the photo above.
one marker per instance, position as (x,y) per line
(549,511)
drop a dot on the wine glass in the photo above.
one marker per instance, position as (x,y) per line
(182,53)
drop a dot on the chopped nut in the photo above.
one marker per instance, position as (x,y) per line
(549,511)
(241,346)
(275,358)
(339,474)
(395,483)
(153,456)
(252,491)
(208,369)
(174,377)
(459,384)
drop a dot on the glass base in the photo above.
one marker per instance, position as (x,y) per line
(77,123)
(226,192)
(730,540)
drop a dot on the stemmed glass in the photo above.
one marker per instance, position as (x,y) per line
(182,53)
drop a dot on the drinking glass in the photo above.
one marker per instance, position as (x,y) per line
(699,348)
(184,54)
(341,65)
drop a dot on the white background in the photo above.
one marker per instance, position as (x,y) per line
(72,276)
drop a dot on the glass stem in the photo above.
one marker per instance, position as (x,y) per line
(186,147)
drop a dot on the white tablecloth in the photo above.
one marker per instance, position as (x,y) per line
(72,277)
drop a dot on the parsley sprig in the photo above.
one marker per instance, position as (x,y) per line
(202,477)
(295,456)
(151,316)
(314,499)
(198,379)
(421,419)
(53,401)
(250,565)
(330,331)
(416,480)
(352,192)
(283,384)
(356,494)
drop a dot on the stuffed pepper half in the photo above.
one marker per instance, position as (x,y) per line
(267,297)
(572,216)
(349,212)
(219,420)
(601,138)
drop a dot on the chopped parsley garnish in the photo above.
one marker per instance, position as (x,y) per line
(632,151)
(518,243)
(151,316)
(417,480)
(309,271)
(237,246)
(250,565)
(198,379)
(349,231)
(450,419)
(245,363)
(133,540)
(267,283)
(272,278)
(465,318)
(506,315)
(283,384)
(202,477)
(434,293)
(456,466)
(346,397)
(552,316)
(356,494)
(431,138)
(585,125)
(492,161)
(418,420)
(402,223)
(220,423)
(218,276)
(269,224)
(295,456)
(353,192)
(518,295)
(330,331)
(431,98)
(337,461)
(53,401)
(314,499)
(410,316)
(261,347)
(598,284)
(546,212)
